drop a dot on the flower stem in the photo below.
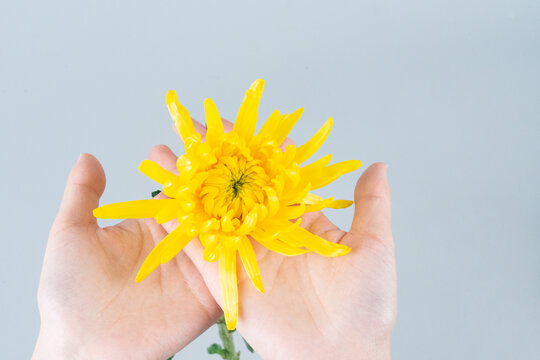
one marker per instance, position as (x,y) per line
(227,351)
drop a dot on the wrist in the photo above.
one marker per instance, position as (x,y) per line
(54,345)
(364,349)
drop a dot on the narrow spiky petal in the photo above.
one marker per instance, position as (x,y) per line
(214,124)
(340,204)
(305,151)
(276,245)
(229,284)
(315,167)
(153,260)
(246,120)
(332,172)
(135,209)
(286,125)
(174,247)
(270,126)
(155,172)
(247,255)
(182,119)
(314,242)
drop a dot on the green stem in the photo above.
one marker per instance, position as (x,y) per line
(226,337)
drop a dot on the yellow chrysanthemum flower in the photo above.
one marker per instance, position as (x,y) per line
(235,188)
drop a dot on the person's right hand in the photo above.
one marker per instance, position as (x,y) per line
(316,307)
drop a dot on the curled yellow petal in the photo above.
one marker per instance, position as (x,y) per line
(247,255)
(135,209)
(182,120)
(250,221)
(246,120)
(305,151)
(229,285)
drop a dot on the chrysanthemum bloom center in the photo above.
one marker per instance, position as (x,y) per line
(233,187)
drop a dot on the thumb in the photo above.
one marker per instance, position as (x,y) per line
(371,220)
(84,187)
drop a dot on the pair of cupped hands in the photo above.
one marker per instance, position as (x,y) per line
(314,307)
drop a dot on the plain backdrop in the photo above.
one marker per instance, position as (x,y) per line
(447,93)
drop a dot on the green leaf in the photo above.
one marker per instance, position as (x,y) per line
(248,346)
(155,193)
(216,349)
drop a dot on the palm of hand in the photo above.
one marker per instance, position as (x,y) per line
(338,304)
(89,278)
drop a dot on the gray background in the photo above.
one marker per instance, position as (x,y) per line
(446,92)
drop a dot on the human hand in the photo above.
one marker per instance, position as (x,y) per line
(90,305)
(316,307)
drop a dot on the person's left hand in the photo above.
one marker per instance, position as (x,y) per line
(90,305)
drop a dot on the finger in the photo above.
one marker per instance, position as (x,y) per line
(372,207)
(318,224)
(164,156)
(84,187)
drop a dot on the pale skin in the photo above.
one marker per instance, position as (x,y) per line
(313,307)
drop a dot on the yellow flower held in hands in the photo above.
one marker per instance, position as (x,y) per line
(235,188)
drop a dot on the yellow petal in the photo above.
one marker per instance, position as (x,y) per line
(276,245)
(155,172)
(312,199)
(286,125)
(250,221)
(297,194)
(275,226)
(319,205)
(210,253)
(314,242)
(168,213)
(272,200)
(270,126)
(292,212)
(229,285)
(247,255)
(332,172)
(329,203)
(214,124)
(182,120)
(340,204)
(135,209)
(246,120)
(315,167)
(305,151)
(153,260)
(174,247)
